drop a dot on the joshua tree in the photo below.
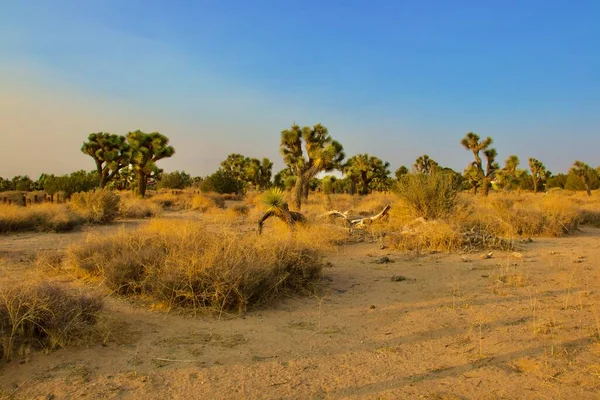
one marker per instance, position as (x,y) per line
(145,150)
(472,142)
(249,171)
(258,174)
(277,207)
(322,154)
(584,171)
(507,177)
(472,176)
(400,172)
(110,152)
(366,168)
(425,165)
(539,174)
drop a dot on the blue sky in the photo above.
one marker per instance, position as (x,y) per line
(396,79)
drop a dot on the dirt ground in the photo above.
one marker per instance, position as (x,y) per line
(389,325)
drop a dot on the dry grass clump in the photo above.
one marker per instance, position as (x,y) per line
(203,203)
(184,264)
(98,206)
(428,236)
(173,202)
(132,207)
(43,316)
(431,196)
(512,216)
(42,217)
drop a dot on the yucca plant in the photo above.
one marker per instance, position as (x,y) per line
(278,207)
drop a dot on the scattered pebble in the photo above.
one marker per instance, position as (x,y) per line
(384,260)
(398,278)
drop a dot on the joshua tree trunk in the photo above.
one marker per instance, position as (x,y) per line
(298,192)
(365,188)
(535,185)
(587,189)
(485,189)
(142,184)
(305,190)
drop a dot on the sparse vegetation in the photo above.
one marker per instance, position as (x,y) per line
(183,264)
(43,316)
(431,196)
(43,217)
(99,206)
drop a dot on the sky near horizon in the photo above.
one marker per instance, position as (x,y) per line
(396,79)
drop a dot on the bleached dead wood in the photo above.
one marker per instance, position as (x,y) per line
(358,223)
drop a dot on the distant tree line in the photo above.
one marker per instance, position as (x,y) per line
(129,162)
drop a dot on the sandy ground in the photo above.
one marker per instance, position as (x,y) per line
(522,325)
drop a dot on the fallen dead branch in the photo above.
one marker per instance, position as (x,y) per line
(358,223)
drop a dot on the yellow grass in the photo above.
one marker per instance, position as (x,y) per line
(34,316)
(184,264)
(41,217)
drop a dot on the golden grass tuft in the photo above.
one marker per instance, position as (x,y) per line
(184,264)
(43,316)
(97,206)
(514,215)
(133,207)
(428,236)
(203,203)
(42,217)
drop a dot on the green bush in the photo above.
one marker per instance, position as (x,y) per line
(99,206)
(431,196)
(221,182)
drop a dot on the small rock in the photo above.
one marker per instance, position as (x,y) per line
(384,260)
(465,259)
(372,307)
(398,278)
(517,255)
(382,246)
(488,255)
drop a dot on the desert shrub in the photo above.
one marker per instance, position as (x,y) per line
(42,217)
(428,236)
(173,202)
(99,206)
(431,196)
(221,182)
(512,216)
(132,207)
(43,316)
(185,265)
(174,180)
(202,203)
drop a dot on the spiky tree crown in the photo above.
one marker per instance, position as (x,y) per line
(274,199)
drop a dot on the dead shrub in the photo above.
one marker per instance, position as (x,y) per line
(185,265)
(98,206)
(428,236)
(131,207)
(43,316)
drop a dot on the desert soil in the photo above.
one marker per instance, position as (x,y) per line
(388,325)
